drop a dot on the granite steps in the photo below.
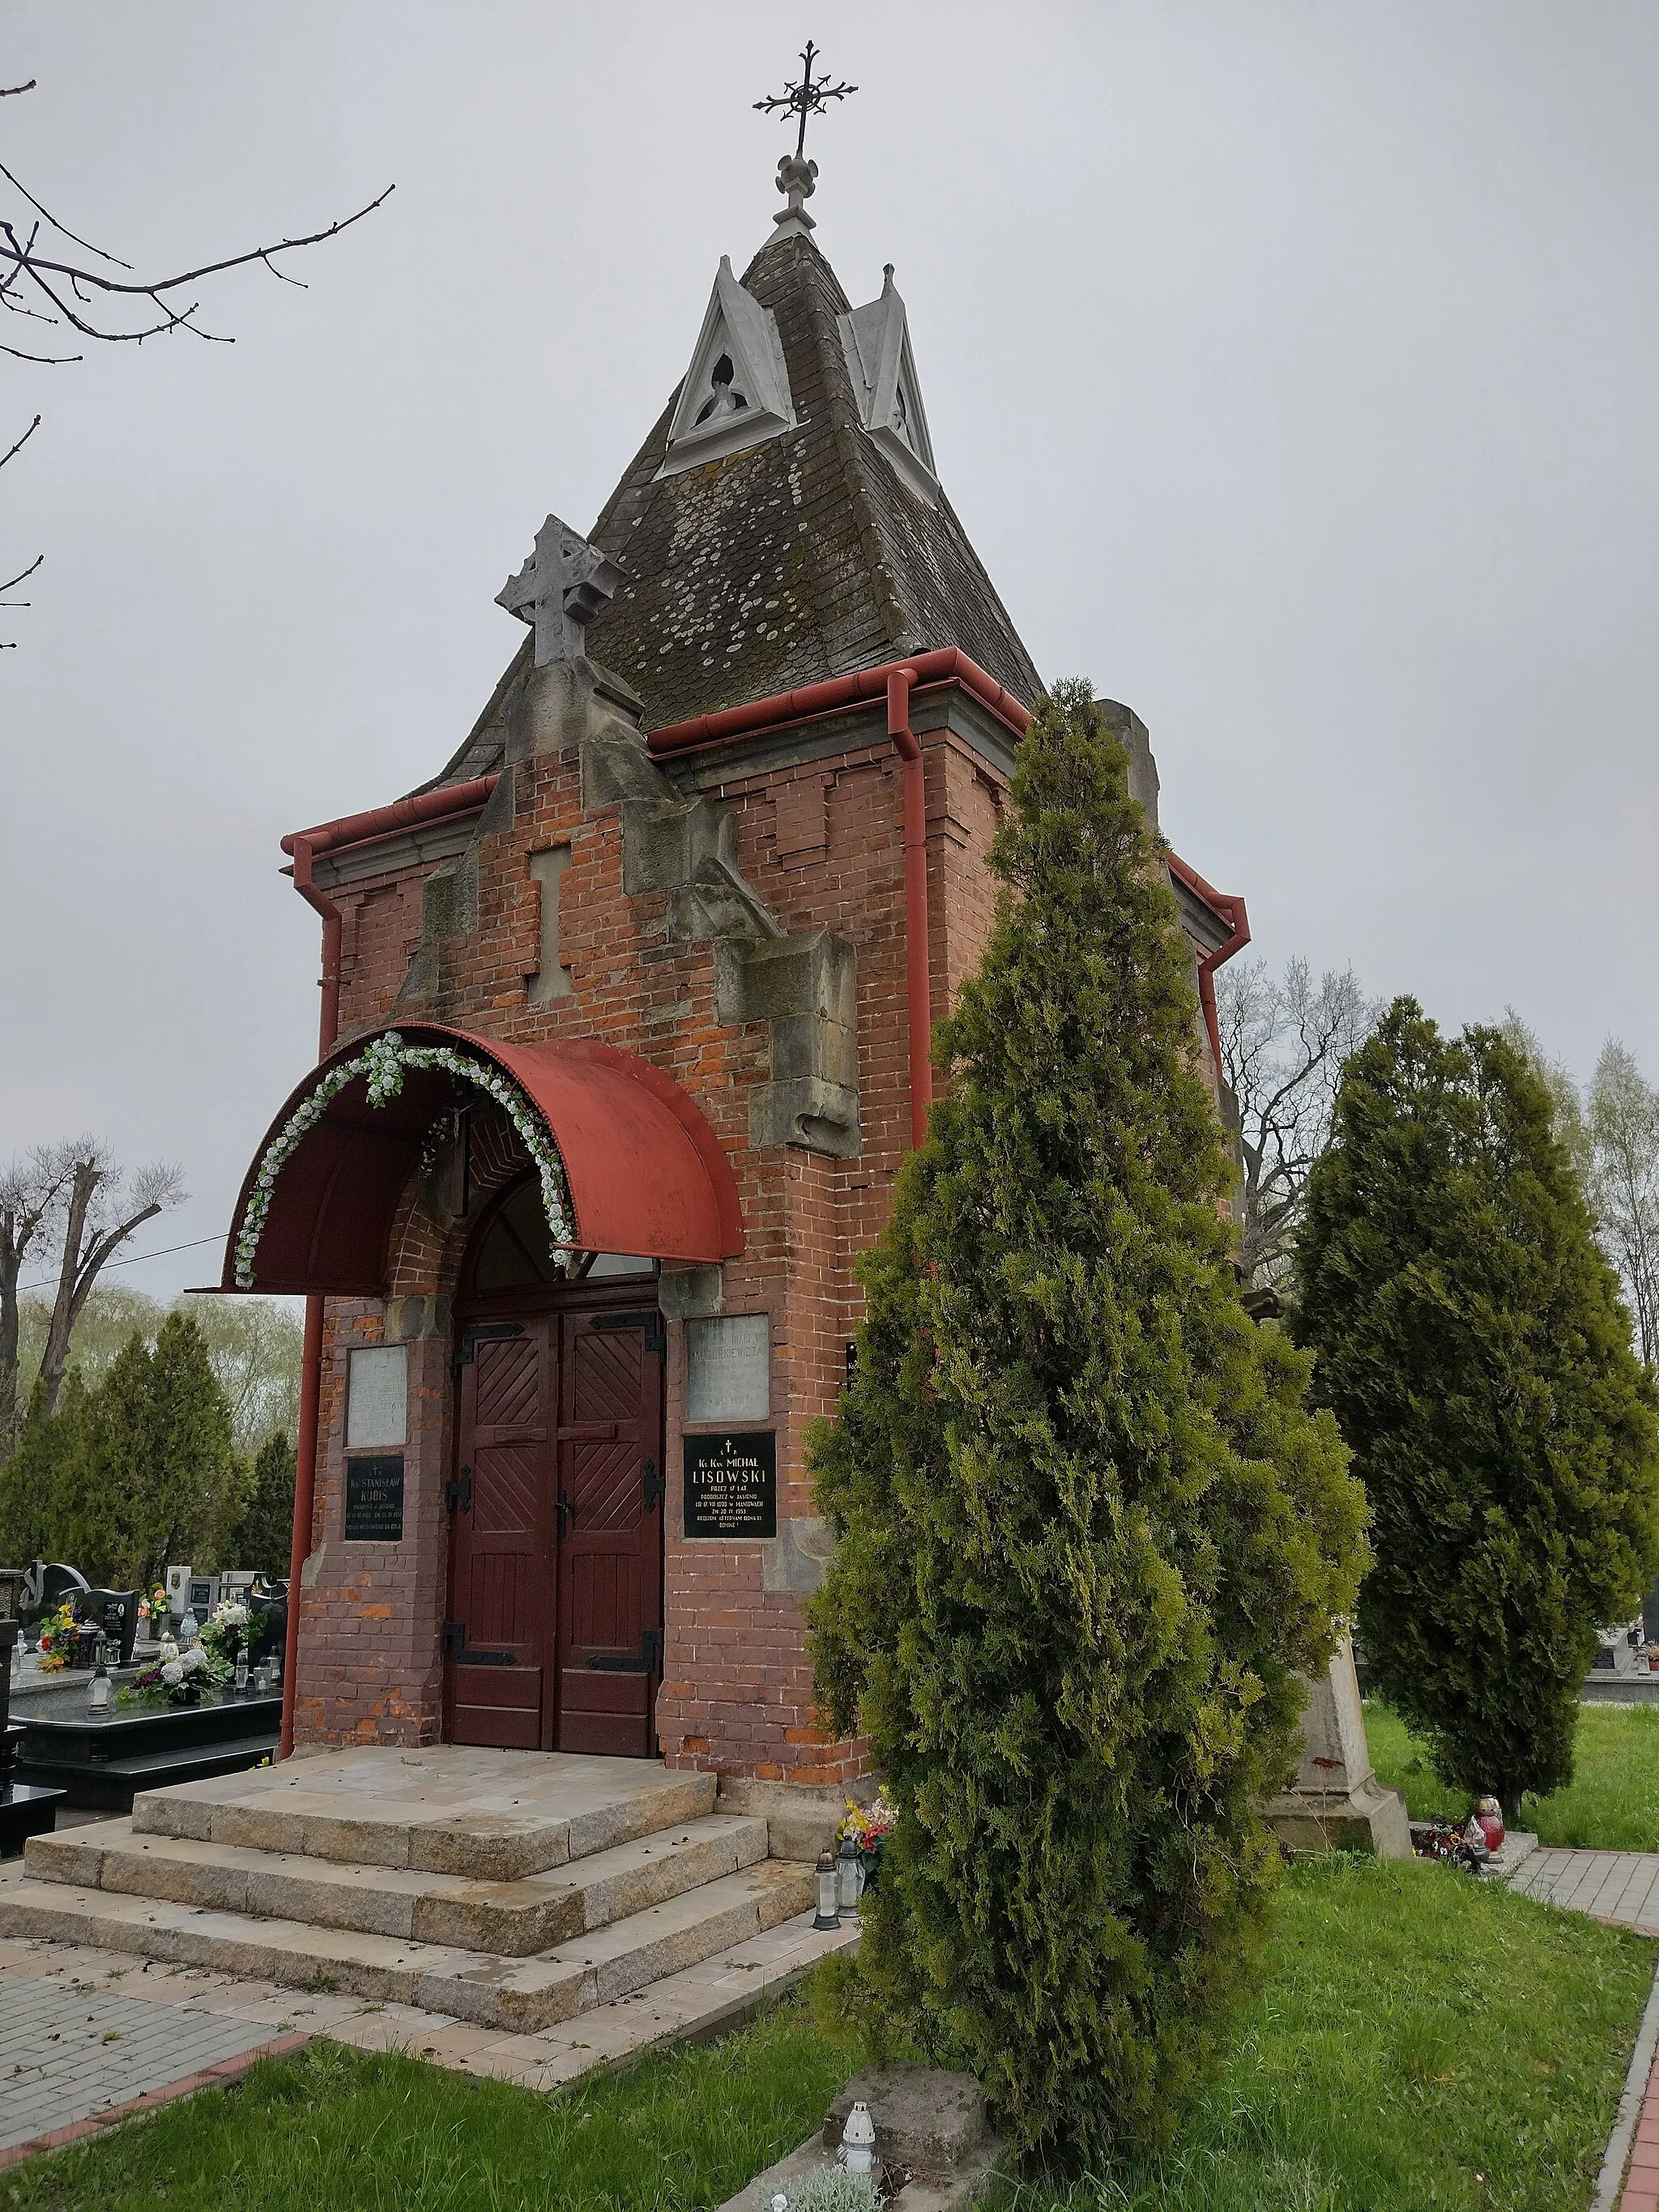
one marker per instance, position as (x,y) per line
(511,1891)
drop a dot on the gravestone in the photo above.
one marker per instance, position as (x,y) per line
(1336,1802)
(25,1810)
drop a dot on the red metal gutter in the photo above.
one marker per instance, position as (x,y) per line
(402,814)
(946,666)
(304,845)
(1230,907)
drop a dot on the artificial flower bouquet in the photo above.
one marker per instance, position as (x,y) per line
(178,1678)
(233,1626)
(58,1631)
(868,1827)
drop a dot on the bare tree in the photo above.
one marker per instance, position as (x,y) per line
(30,1193)
(76,291)
(1611,1134)
(76,1194)
(1622,1118)
(1283,1039)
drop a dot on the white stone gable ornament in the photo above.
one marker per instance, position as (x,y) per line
(560,589)
(876,340)
(736,392)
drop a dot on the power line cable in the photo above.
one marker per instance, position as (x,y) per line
(133,1258)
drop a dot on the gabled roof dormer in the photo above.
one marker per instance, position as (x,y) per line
(877,343)
(736,392)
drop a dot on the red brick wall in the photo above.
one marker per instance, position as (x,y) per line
(822,846)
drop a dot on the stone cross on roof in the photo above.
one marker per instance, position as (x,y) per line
(560,589)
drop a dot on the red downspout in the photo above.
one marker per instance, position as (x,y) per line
(1231,908)
(311,1362)
(918,977)
(305,844)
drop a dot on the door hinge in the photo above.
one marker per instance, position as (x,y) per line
(655,1486)
(460,1493)
(456,1648)
(626,1663)
(656,1334)
(481,1332)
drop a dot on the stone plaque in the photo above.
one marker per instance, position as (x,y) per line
(377,1391)
(731,1486)
(374,1500)
(728,1369)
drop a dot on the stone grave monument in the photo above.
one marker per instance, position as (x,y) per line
(1336,1802)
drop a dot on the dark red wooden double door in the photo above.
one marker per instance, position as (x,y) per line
(554,1639)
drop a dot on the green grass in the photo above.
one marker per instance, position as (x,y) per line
(333,2130)
(1426,2041)
(1611,1804)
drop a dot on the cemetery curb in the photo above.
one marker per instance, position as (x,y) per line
(1612,2177)
(210,2077)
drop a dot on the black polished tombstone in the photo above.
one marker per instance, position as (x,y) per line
(272,1606)
(45,1587)
(25,1809)
(116,1612)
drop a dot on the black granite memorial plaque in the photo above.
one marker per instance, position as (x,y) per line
(731,1486)
(374,1500)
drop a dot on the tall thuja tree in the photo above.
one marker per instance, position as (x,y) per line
(263,1530)
(156,1479)
(38,1482)
(1088,1536)
(1470,1340)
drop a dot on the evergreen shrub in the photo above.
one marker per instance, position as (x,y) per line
(1088,1536)
(137,1473)
(263,1535)
(1470,1339)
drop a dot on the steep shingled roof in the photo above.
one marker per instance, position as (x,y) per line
(801,557)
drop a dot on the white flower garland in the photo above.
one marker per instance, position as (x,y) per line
(383,1062)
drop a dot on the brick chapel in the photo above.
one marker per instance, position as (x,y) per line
(625,1029)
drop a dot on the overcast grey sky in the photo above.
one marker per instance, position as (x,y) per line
(1291,366)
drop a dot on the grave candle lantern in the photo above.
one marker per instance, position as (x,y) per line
(828,1893)
(858,2141)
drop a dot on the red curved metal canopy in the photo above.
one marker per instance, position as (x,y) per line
(646,1173)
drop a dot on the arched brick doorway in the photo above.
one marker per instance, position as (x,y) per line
(553,1638)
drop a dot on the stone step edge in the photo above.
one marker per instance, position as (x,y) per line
(765,1982)
(557,1910)
(520,1996)
(491,1846)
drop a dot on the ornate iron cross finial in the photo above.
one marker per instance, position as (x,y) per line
(804,98)
(796,174)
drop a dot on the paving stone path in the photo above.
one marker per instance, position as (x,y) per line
(1617,1886)
(72,2051)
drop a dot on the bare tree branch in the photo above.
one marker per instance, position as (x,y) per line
(98,1218)
(26,261)
(68,295)
(1284,1040)
(62,229)
(18,578)
(13,451)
